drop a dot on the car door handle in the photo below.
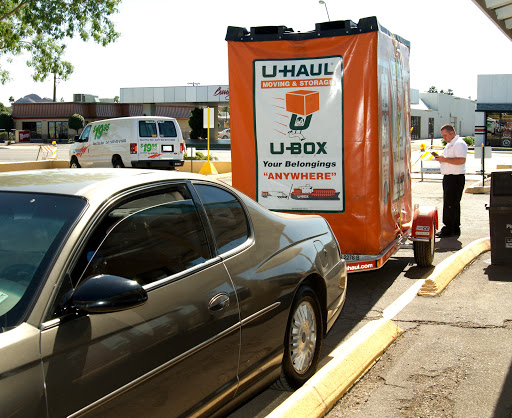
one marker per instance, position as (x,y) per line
(219,302)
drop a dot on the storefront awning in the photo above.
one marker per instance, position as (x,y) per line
(500,12)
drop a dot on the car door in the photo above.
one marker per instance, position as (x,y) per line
(176,353)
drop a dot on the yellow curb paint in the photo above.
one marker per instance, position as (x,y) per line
(350,361)
(450,267)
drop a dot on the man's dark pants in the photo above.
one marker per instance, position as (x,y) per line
(453,187)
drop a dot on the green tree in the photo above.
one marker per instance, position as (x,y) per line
(76,122)
(196,124)
(432,89)
(2,107)
(6,121)
(42,28)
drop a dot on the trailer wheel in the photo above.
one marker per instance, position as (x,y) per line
(424,251)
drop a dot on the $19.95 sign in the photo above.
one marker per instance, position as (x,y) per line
(298,111)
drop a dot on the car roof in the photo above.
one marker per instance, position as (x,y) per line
(87,181)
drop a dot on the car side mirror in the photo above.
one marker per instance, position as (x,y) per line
(106,293)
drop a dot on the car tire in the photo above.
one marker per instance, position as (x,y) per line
(424,251)
(117,162)
(74,163)
(303,340)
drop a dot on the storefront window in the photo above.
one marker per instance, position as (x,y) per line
(499,129)
(58,130)
(35,129)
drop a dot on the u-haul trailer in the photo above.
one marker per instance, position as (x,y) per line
(325,118)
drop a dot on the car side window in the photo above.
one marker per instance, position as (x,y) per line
(147,239)
(226,215)
(147,129)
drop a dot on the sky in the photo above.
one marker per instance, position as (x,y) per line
(173,43)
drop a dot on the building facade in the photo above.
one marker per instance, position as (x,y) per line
(430,111)
(493,120)
(48,122)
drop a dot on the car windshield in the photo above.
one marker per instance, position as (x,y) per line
(32,229)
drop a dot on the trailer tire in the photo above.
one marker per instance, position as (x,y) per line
(424,251)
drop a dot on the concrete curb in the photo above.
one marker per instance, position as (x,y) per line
(450,267)
(349,363)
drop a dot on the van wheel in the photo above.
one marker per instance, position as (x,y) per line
(117,162)
(74,163)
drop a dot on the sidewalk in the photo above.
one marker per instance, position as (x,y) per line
(453,359)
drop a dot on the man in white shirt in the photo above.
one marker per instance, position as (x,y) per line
(453,168)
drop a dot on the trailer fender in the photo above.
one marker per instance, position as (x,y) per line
(424,218)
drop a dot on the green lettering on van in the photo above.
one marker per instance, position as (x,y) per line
(99,130)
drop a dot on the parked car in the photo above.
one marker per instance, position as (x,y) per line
(225,134)
(155,293)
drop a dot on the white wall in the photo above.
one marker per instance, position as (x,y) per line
(494,88)
(446,109)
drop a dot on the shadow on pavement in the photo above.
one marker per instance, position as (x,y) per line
(499,273)
(504,405)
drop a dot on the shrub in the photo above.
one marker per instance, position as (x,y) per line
(199,156)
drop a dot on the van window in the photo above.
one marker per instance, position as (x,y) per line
(147,129)
(167,129)
(85,134)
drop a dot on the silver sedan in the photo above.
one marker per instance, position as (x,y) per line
(129,292)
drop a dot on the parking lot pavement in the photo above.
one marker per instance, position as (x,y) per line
(453,358)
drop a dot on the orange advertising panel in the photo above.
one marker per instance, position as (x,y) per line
(320,124)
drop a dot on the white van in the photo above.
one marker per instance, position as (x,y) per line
(141,141)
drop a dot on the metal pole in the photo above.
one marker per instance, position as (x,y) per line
(483,165)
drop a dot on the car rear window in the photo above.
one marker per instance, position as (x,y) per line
(226,215)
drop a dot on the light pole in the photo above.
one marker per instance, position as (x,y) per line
(327,11)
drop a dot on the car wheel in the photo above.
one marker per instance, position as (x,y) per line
(303,340)
(117,162)
(74,163)
(225,137)
(424,250)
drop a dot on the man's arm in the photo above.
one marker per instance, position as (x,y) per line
(455,161)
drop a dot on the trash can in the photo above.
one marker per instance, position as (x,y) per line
(500,217)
